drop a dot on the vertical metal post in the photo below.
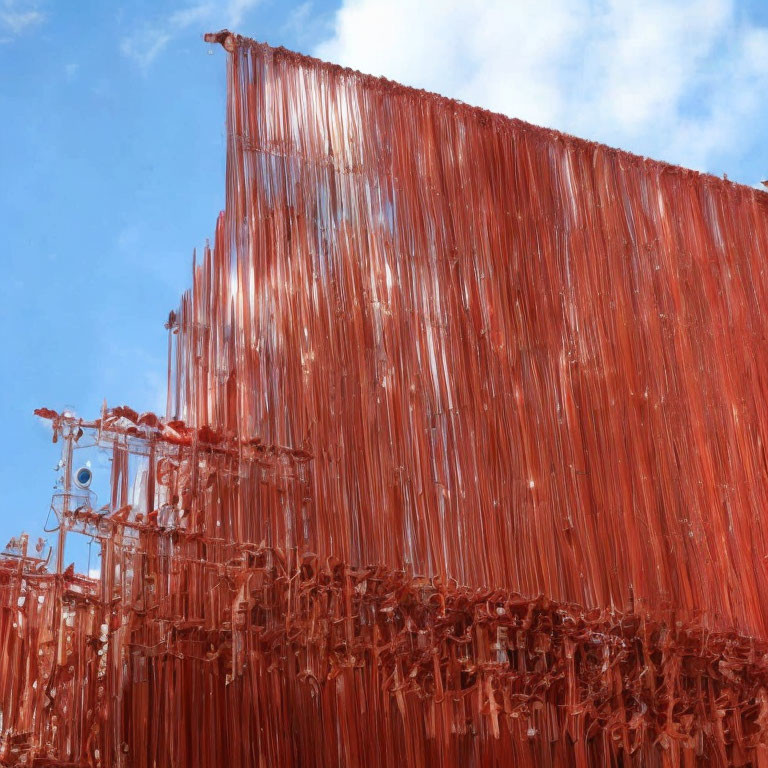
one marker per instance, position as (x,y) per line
(66,457)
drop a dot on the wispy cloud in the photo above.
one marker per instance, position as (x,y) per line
(144,47)
(300,15)
(186,17)
(682,81)
(17,16)
(307,23)
(237,9)
(147,43)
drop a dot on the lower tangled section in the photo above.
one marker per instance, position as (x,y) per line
(194,652)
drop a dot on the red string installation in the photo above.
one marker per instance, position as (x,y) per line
(463,465)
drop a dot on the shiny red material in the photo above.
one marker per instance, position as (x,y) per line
(464,462)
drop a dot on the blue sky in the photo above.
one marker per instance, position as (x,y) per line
(112,161)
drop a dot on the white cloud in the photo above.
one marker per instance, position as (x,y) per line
(16,16)
(682,81)
(146,44)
